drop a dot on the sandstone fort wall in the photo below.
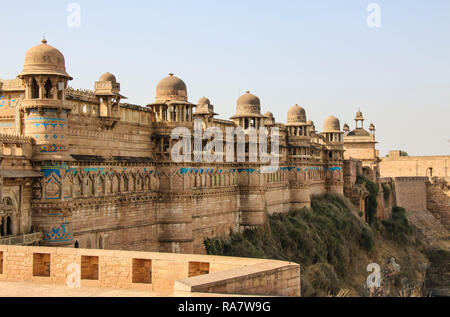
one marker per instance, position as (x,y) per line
(158,272)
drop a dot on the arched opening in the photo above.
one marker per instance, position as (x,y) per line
(430,172)
(2,227)
(48,89)
(76,245)
(34,89)
(8,226)
(60,90)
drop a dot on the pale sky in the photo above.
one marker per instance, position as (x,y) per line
(318,54)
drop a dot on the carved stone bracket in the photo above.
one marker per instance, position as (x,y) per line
(108,123)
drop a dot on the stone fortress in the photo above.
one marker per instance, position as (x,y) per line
(83,169)
(86,170)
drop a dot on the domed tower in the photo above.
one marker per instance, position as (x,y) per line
(346,128)
(334,155)
(296,122)
(248,112)
(299,132)
(107,90)
(359,119)
(204,111)
(44,108)
(270,118)
(332,129)
(171,102)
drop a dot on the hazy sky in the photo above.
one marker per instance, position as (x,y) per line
(318,54)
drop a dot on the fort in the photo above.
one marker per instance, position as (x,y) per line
(90,171)
(86,178)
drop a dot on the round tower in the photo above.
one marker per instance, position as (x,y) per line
(171,102)
(248,112)
(44,109)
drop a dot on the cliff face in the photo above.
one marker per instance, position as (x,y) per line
(334,246)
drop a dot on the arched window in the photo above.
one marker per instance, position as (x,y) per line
(34,89)
(76,245)
(48,89)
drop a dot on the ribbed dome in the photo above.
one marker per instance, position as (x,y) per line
(248,104)
(108,77)
(296,114)
(44,59)
(331,124)
(171,88)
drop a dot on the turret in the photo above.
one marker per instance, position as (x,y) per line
(44,109)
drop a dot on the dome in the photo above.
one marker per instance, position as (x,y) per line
(359,132)
(296,114)
(268,114)
(310,122)
(44,59)
(204,106)
(359,115)
(171,88)
(204,102)
(331,124)
(108,77)
(248,104)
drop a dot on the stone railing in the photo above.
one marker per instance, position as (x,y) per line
(165,273)
(14,139)
(80,94)
(25,239)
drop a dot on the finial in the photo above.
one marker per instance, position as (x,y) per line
(247,92)
(171,74)
(44,41)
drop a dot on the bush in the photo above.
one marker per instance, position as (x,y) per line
(386,191)
(372,203)
(323,239)
(398,226)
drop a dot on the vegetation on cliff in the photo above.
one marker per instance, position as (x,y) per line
(331,242)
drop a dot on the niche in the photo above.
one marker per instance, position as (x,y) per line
(41,264)
(198,268)
(89,267)
(142,271)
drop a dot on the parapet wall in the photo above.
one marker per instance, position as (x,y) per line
(157,272)
(404,166)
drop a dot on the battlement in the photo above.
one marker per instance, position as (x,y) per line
(15,139)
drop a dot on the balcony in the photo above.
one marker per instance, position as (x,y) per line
(24,239)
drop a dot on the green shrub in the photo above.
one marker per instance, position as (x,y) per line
(398,227)
(386,191)
(323,239)
(372,203)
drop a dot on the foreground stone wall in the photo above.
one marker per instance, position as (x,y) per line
(150,271)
